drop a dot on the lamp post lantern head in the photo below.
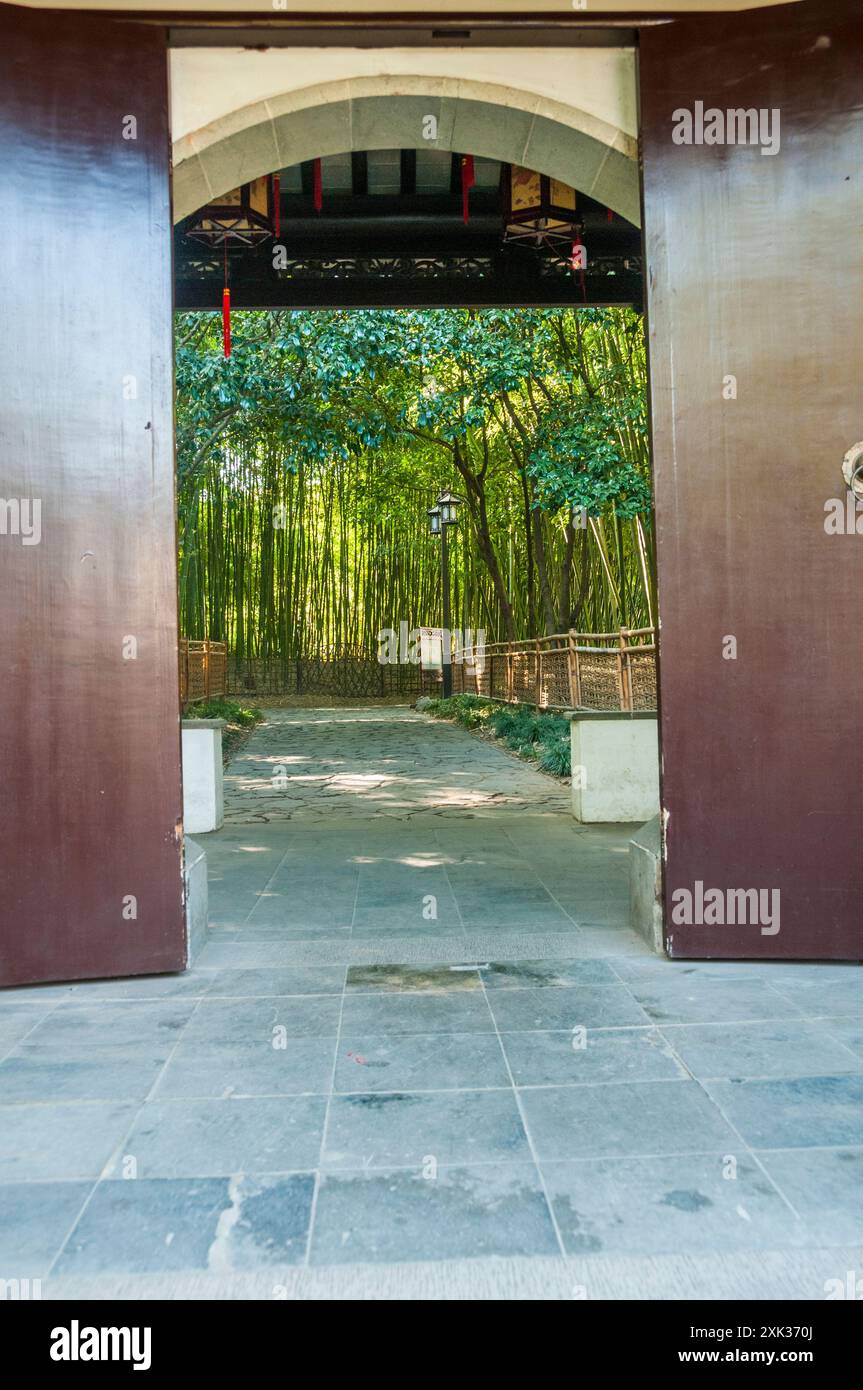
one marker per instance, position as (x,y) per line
(434,520)
(449,505)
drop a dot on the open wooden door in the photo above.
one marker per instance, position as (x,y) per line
(755,292)
(89,737)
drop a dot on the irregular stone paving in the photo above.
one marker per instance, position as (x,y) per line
(385,761)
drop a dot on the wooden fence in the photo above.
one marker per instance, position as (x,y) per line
(569,670)
(203,670)
(346,675)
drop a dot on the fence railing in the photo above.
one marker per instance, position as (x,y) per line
(203,669)
(568,670)
(345,675)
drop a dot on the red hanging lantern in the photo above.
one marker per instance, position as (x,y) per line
(468,179)
(226,321)
(317,185)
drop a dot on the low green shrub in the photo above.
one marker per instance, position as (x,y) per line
(230,710)
(532,735)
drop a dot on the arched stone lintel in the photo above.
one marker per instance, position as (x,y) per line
(259,139)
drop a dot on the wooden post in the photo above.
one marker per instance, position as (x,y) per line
(538,676)
(574,673)
(623,671)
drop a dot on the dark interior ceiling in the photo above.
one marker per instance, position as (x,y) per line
(391,232)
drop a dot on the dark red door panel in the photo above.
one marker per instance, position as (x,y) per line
(89,742)
(755,293)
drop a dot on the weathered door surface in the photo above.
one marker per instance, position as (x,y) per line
(755,292)
(90,802)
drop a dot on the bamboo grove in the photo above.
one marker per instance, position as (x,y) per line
(308,460)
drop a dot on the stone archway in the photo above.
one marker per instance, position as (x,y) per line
(490,120)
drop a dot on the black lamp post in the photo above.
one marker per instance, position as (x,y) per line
(441,516)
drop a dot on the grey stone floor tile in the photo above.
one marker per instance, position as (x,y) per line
(215,1224)
(848,1031)
(538,974)
(193,984)
(474,898)
(35,1219)
(625,1119)
(462,1213)
(410,1129)
(36,996)
(807,1112)
(532,923)
(686,999)
(576,1006)
(216,1138)
(614,1054)
(749,1050)
(262,1020)
(286,933)
(419,1062)
(59,1141)
(304,1065)
(297,916)
(365,1015)
(111,1024)
(424,979)
(818,997)
(824,1186)
(36,1072)
(378,921)
(675,972)
(615,943)
(265,984)
(675,1205)
(602,920)
(407,889)
(18,1021)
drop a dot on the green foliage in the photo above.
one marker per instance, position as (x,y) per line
(230,710)
(352,419)
(538,737)
(555,756)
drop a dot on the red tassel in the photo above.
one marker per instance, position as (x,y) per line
(468,179)
(318,187)
(277,206)
(609,215)
(226,321)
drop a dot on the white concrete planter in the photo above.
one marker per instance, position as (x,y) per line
(203,795)
(615,767)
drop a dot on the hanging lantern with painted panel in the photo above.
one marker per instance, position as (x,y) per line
(538,211)
(243,217)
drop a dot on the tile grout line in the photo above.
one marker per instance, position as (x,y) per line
(319,1170)
(120,1144)
(525,1126)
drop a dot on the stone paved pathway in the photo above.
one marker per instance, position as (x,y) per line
(352,1095)
(384,761)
